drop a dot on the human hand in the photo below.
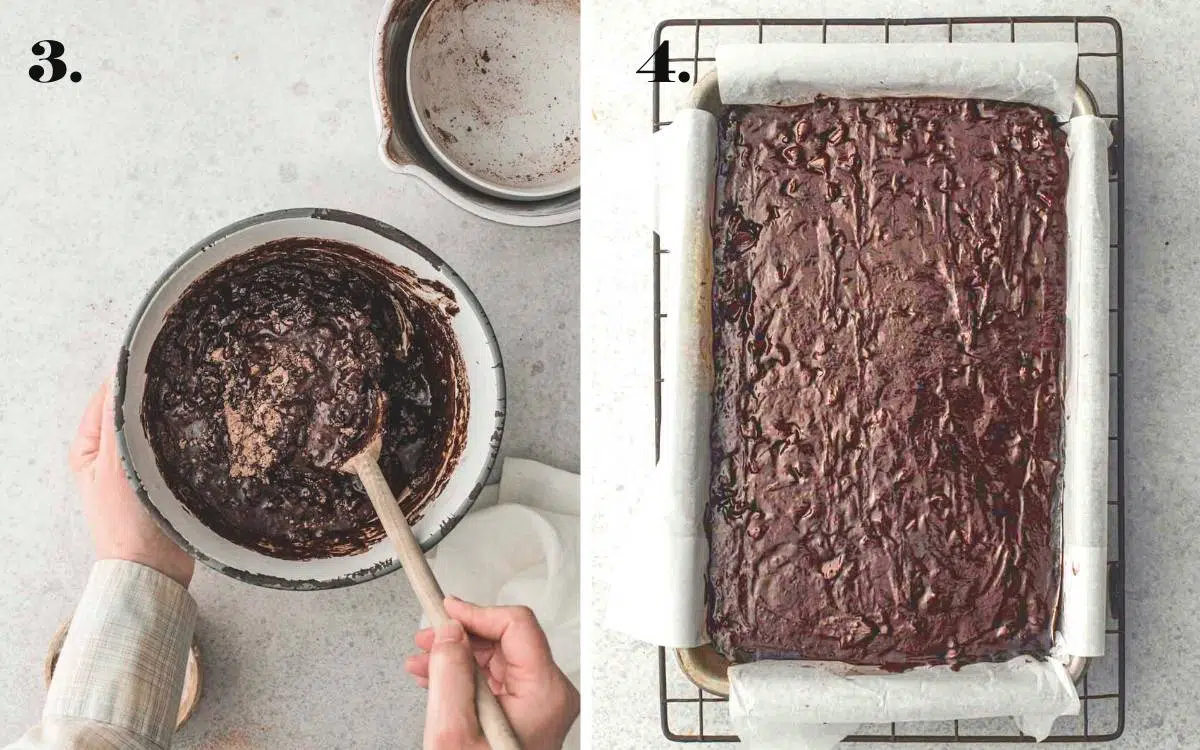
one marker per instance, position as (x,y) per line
(121,527)
(510,646)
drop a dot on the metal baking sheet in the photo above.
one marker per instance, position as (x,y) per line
(703,665)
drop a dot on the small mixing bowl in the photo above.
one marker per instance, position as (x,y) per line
(494,97)
(480,353)
(404,149)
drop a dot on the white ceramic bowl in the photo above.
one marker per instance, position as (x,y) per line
(485,378)
(402,149)
(494,97)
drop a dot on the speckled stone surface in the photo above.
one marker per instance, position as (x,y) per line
(1162,326)
(188,117)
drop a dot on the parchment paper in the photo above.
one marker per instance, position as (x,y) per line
(769,698)
(1085,461)
(1034,73)
(659,597)
(659,583)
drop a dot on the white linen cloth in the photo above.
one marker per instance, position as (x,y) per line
(519,545)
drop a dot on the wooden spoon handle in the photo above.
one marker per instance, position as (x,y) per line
(429,593)
(492,720)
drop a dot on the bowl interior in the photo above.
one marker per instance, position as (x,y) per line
(484,377)
(494,97)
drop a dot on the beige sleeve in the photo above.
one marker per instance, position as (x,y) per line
(120,675)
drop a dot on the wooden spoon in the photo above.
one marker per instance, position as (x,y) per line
(366,465)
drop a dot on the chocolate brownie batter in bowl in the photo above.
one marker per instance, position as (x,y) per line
(264,353)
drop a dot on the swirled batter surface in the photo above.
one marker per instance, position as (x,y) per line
(269,374)
(889,325)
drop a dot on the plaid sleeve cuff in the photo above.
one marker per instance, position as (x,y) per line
(125,656)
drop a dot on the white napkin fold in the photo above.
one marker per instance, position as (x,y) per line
(519,545)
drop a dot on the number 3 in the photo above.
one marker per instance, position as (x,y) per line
(51,51)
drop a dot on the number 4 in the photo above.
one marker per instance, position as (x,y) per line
(661,71)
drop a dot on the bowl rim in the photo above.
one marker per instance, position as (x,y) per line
(437,150)
(404,153)
(389,232)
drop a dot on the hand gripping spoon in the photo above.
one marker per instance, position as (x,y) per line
(365,464)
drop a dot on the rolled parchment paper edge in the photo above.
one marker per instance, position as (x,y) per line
(1085,459)
(811,705)
(657,592)
(1038,73)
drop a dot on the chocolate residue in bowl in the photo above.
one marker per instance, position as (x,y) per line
(267,375)
(498,103)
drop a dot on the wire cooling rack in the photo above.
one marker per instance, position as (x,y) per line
(693,715)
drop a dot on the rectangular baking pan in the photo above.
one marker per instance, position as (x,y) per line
(703,665)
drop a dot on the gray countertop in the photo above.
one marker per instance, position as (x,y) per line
(1162,327)
(189,117)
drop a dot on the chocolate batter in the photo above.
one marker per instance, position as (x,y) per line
(889,323)
(270,372)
